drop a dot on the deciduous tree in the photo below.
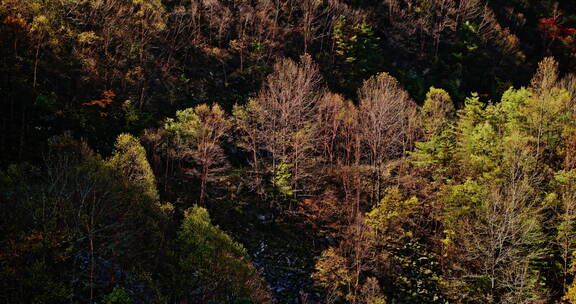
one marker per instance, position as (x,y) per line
(198,133)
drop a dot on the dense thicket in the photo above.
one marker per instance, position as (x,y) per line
(347,129)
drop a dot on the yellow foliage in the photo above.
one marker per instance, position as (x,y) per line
(332,272)
(392,212)
(87,37)
(570,296)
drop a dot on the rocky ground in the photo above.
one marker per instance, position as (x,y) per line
(285,252)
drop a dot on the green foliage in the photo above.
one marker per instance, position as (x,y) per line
(485,199)
(496,170)
(358,53)
(436,153)
(212,261)
(129,160)
(134,118)
(193,126)
(570,296)
(436,112)
(78,207)
(545,117)
(461,200)
(282,182)
(418,278)
(439,145)
(201,240)
(117,296)
(502,169)
(478,142)
(392,216)
(196,135)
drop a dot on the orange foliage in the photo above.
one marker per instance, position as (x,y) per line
(107,98)
(16,21)
(327,213)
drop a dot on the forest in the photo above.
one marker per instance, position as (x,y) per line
(288,151)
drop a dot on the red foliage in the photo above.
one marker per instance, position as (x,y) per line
(547,21)
(553,30)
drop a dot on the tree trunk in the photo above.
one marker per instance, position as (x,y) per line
(203,184)
(90,230)
(36,62)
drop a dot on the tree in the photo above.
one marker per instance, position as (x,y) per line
(546,111)
(357,53)
(311,10)
(84,218)
(119,46)
(386,112)
(563,201)
(332,111)
(478,142)
(340,140)
(392,218)
(439,145)
(570,296)
(407,269)
(502,241)
(129,160)
(436,112)
(198,133)
(420,27)
(342,270)
(333,274)
(287,101)
(211,261)
(248,124)
(494,215)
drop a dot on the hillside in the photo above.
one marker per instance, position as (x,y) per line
(282,151)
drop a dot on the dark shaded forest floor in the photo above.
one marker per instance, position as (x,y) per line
(284,251)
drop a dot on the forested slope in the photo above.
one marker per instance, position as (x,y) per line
(314,151)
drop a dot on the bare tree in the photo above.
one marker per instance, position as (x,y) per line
(421,26)
(445,16)
(330,121)
(492,32)
(310,14)
(287,104)
(385,114)
(351,141)
(505,245)
(339,140)
(248,124)
(358,248)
